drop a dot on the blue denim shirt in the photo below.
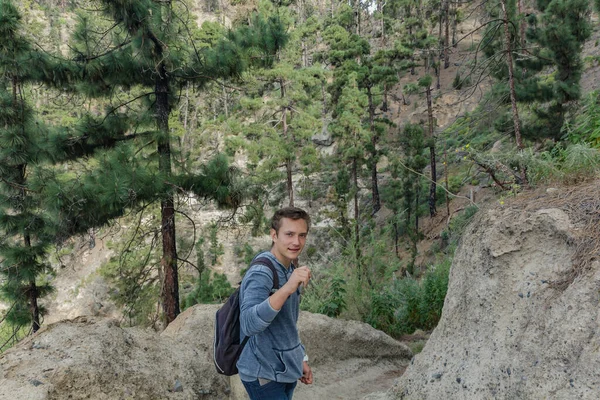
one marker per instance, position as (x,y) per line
(274,351)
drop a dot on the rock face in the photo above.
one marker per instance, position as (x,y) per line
(94,358)
(509,330)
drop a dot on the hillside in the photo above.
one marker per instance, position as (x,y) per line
(345,120)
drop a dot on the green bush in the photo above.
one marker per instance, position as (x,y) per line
(409,304)
(209,289)
(326,295)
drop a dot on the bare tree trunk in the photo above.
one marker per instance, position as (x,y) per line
(225,101)
(31,290)
(454,24)
(522,32)
(170,284)
(384,104)
(304,55)
(432,187)
(381,5)
(357,251)
(511,80)
(396,236)
(438,70)
(446,181)
(447,35)
(288,163)
(376,201)
(358,21)
(33,294)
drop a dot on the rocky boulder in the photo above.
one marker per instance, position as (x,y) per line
(521,317)
(95,358)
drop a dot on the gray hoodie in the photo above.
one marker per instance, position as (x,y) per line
(274,351)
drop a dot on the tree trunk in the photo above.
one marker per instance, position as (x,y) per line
(454,25)
(225,101)
(358,22)
(446,181)
(438,70)
(356,218)
(32,294)
(511,80)
(447,35)
(376,201)
(396,236)
(432,187)
(522,33)
(31,290)
(288,163)
(170,284)
(384,104)
(380,5)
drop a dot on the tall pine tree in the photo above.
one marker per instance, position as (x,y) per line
(139,63)
(23,225)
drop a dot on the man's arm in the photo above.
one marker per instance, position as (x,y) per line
(300,276)
(256,313)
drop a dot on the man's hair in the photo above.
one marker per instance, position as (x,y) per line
(291,213)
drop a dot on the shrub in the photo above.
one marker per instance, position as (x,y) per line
(209,289)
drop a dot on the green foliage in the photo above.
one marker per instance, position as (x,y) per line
(210,288)
(132,276)
(568,164)
(215,249)
(326,295)
(586,125)
(548,80)
(407,304)
(11,334)
(26,229)
(245,253)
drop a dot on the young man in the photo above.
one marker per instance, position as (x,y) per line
(274,360)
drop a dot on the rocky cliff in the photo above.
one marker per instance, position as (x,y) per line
(521,317)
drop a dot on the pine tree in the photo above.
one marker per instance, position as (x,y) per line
(352,138)
(23,224)
(147,54)
(555,36)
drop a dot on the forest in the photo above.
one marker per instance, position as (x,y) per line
(381,117)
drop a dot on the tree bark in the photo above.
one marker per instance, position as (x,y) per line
(288,163)
(513,96)
(356,220)
(511,78)
(454,25)
(432,187)
(447,35)
(32,294)
(170,284)
(31,290)
(376,200)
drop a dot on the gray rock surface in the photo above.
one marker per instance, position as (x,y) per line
(95,358)
(506,331)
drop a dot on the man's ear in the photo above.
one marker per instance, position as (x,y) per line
(273,233)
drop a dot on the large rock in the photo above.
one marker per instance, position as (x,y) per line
(95,358)
(517,323)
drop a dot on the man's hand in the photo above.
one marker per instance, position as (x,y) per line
(300,276)
(307,376)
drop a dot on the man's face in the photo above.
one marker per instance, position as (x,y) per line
(290,240)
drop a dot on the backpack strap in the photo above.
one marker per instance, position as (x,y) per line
(267,262)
